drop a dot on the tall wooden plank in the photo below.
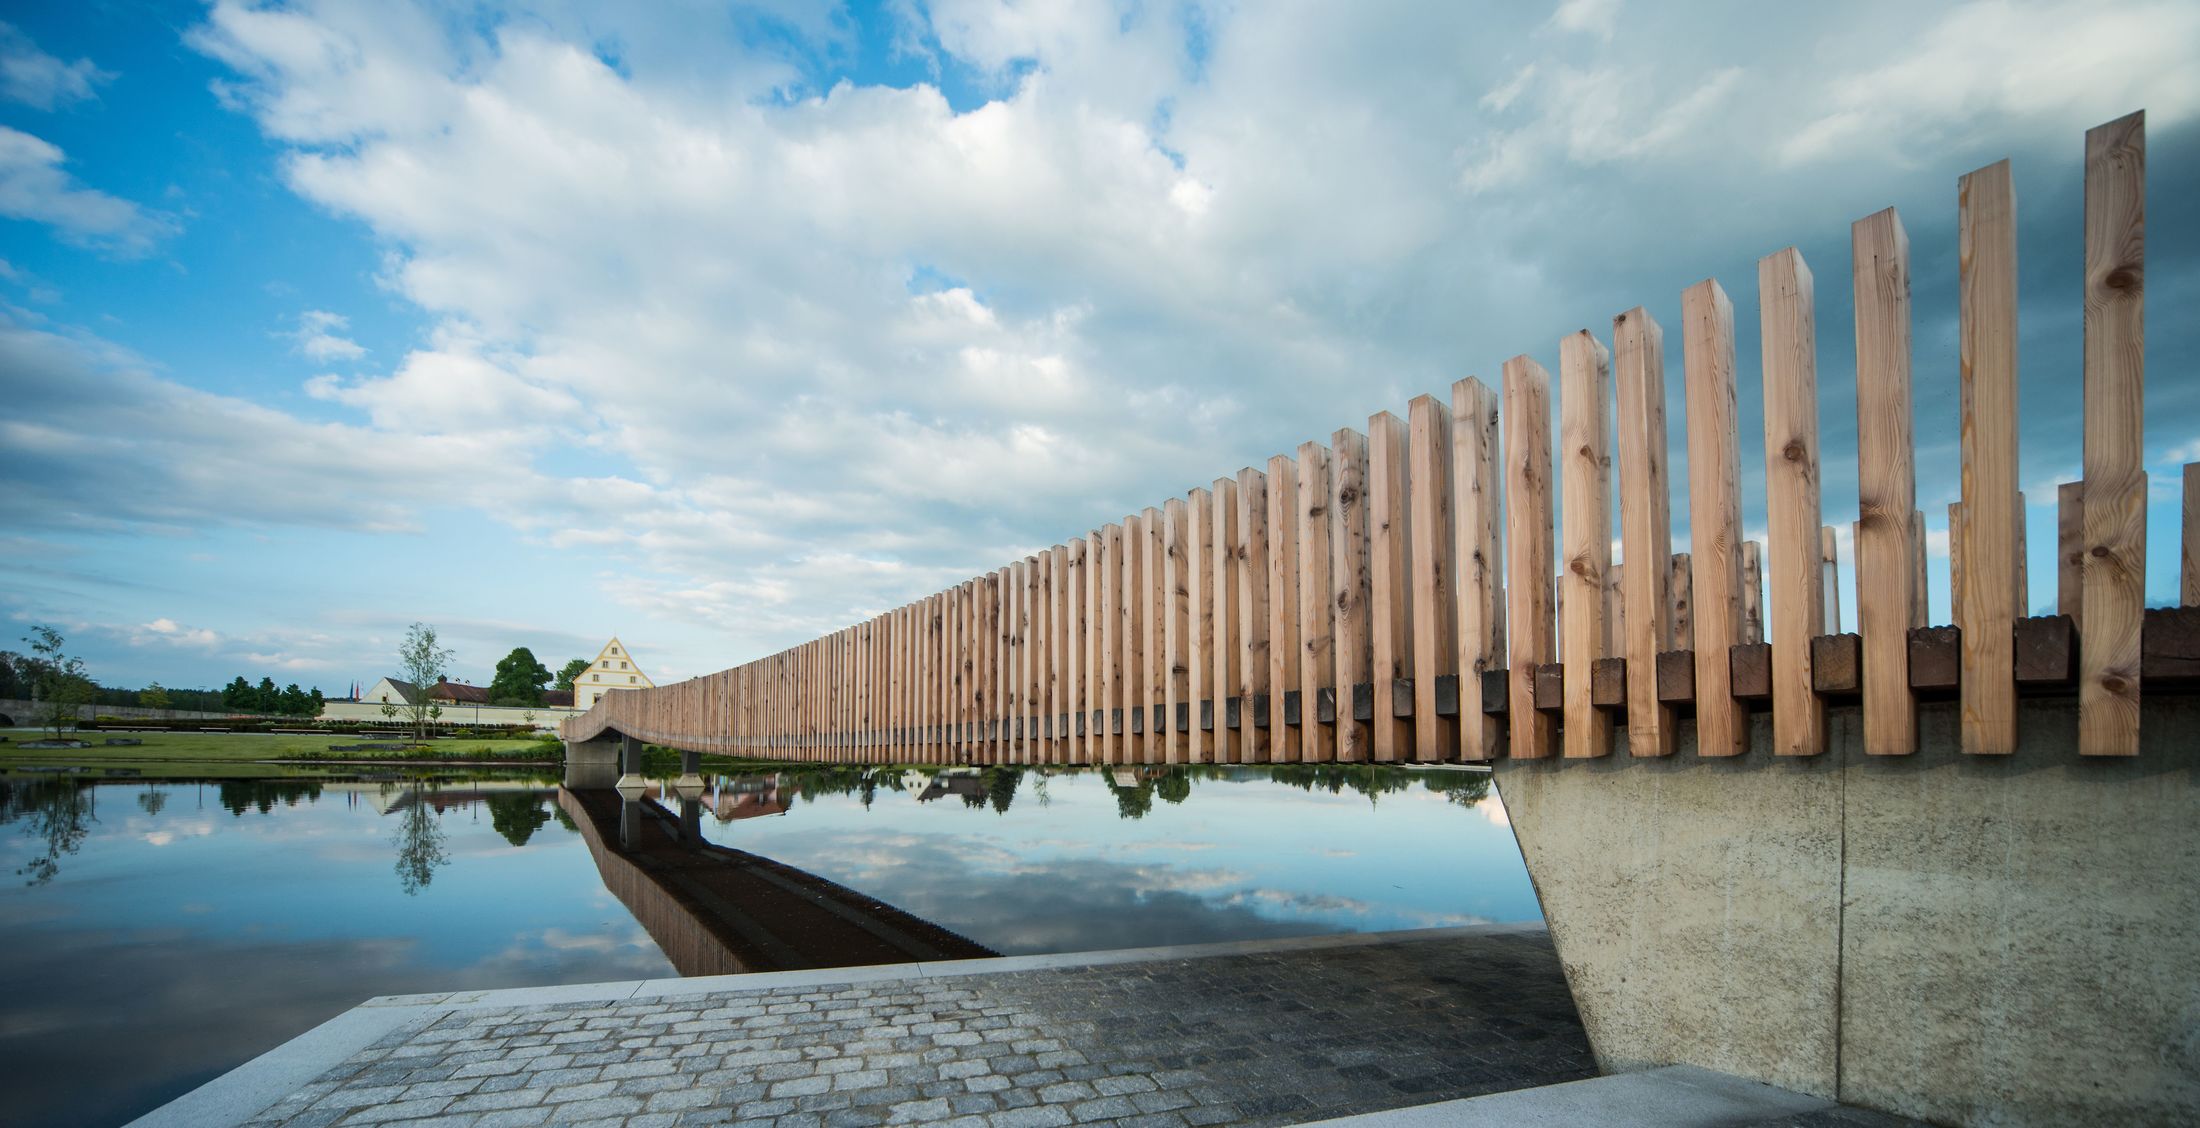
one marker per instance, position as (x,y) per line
(1957,603)
(1789,335)
(1198,619)
(1435,594)
(1753,592)
(1715,515)
(1829,580)
(1528,544)
(1682,598)
(1131,735)
(1113,639)
(1646,525)
(1253,614)
(1351,579)
(1886,551)
(1160,663)
(1076,650)
(1285,648)
(1176,596)
(1921,604)
(2188,573)
(1986,241)
(2115,401)
(1585,469)
(1476,490)
(1317,627)
(1221,636)
(1390,598)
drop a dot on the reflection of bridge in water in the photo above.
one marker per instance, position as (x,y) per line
(715,910)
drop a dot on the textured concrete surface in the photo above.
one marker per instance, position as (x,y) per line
(1676,1096)
(1966,940)
(1293,1033)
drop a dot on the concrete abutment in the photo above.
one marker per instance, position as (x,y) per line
(1963,939)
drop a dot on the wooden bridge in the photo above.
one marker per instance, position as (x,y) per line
(1941,869)
(1404,594)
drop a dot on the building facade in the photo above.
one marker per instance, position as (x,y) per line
(614,668)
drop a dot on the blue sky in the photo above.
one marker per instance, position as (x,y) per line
(720,326)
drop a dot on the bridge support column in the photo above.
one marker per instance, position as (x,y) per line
(1961,939)
(630,764)
(592,764)
(691,774)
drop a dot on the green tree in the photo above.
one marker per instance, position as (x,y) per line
(517,815)
(154,697)
(419,842)
(573,668)
(423,663)
(1174,787)
(518,679)
(237,695)
(293,701)
(1000,787)
(57,682)
(266,698)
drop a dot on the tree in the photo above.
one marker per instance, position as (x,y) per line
(424,664)
(237,695)
(266,698)
(154,697)
(58,685)
(293,701)
(573,669)
(518,679)
(517,816)
(419,842)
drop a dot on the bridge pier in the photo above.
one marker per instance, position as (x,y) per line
(691,773)
(630,764)
(592,764)
(1961,939)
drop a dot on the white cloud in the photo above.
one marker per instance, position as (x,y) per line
(34,186)
(319,336)
(2052,63)
(1590,17)
(39,80)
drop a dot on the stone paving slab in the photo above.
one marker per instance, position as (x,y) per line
(1252,1035)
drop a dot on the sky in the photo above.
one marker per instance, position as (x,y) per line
(721,326)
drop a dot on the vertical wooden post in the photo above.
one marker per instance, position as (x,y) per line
(1476,490)
(1285,647)
(1714,515)
(2023,587)
(1351,578)
(1528,536)
(1253,615)
(1585,465)
(1829,579)
(1886,481)
(1987,250)
(1646,526)
(1791,497)
(1956,601)
(1195,581)
(1390,598)
(2115,474)
(1113,635)
(1435,606)
(1682,601)
(1221,637)
(1317,627)
(1921,604)
(2188,585)
(1753,592)
(1153,695)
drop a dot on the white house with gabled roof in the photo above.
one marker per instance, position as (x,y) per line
(614,668)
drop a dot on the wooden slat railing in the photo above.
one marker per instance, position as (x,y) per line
(1398,594)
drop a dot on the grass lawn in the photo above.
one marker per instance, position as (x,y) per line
(228,750)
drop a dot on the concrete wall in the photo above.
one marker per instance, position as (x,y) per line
(26,713)
(546,716)
(2008,941)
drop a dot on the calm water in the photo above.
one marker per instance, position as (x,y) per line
(160,933)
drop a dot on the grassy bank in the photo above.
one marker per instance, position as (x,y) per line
(227,751)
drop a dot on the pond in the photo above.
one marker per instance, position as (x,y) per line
(161,932)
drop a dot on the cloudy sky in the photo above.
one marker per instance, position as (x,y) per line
(718,326)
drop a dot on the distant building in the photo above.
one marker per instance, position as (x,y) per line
(614,668)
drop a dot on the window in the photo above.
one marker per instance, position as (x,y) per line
(622,665)
(614,650)
(632,680)
(595,677)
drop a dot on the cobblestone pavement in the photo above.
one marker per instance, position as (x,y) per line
(1237,1039)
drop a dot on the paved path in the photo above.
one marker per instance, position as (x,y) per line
(1264,1034)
